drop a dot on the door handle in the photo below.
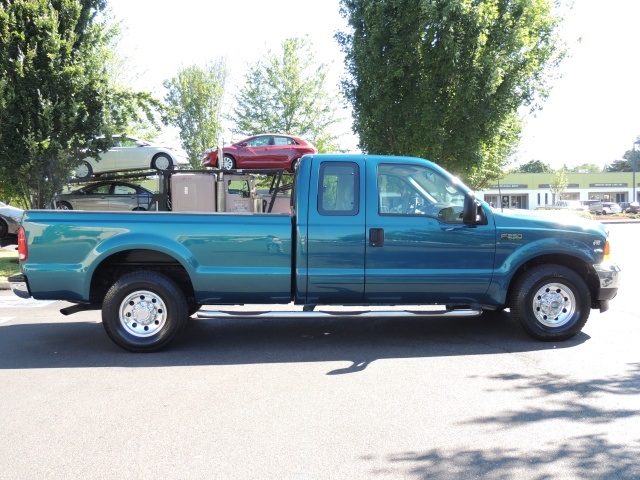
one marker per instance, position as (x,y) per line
(376,237)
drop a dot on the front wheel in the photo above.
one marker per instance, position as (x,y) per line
(162,162)
(144,311)
(228,163)
(551,302)
(63,206)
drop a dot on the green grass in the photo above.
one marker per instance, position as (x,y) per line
(9,264)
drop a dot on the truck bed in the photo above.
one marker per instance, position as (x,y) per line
(230,258)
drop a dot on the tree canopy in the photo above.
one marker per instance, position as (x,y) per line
(195,98)
(630,160)
(287,92)
(535,166)
(447,79)
(56,93)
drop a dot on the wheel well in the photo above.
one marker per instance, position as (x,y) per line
(581,267)
(118,264)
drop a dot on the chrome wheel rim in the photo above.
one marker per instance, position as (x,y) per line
(143,313)
(227,163)
(554,305)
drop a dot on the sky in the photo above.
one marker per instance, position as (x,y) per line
(591,116)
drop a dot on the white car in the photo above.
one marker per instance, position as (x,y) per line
(609,208)
(130,153)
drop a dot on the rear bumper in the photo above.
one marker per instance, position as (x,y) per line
(20,286)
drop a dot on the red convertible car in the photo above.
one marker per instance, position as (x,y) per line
(260,151)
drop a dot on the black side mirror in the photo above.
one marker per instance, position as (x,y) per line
(471,214)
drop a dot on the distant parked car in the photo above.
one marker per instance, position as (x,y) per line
(630,207)
(105,196)
(260,151)
(595,206)
(130,153)
(574,205)
(609,208)
(10,218)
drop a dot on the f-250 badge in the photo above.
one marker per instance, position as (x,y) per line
(511,236)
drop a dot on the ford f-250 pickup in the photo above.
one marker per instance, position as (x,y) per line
(363,230)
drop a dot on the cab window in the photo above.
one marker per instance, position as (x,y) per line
(417,190)
(338,187)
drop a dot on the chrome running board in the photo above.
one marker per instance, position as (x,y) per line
(323,314)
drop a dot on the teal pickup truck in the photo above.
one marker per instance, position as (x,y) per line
(363,230)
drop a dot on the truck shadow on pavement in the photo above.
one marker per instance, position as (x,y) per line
(238,341)
(589,444)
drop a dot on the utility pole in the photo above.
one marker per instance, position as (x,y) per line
(634,162)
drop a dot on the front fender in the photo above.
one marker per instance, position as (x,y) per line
(511,257)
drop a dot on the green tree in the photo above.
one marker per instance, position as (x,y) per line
(56,93)
(286,92)
(586,168)
(535,166)
(624,165)
(195,97)
(446,79)
(558,185)
(630,160)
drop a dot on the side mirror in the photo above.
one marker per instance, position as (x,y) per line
(471,214)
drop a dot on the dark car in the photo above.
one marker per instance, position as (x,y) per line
(260,151)
(111,195)
(630,207)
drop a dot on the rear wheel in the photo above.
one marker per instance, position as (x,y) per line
(228,163)
(63,206)
(551,302)
(144,311)
(294,165)
(84,170)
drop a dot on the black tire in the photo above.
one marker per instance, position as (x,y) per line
(228,163)
(144,311)
(84,170)
(63,206)
(294,165)
(551,302)
(4,229)
(162,162)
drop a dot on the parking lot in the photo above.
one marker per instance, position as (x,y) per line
(344,398)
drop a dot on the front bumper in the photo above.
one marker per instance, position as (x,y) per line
(20,286)
(609,276)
